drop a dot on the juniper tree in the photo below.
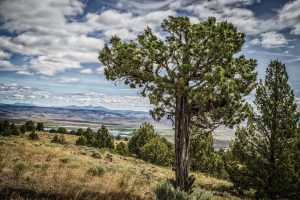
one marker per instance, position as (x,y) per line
(191,77)
(263,152)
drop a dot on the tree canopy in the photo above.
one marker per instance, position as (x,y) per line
(263,154)
(192,76)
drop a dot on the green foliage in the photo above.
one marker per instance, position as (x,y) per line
(204,157)
(140,137)
(29,125)
(118,137)
(20,168)
(62,130)
(52,130)
(59,139)
(158,151)
(202,152)
(103,139)
(122,149)
(201,194)
(192,76)
(22,129)
(82,140)
(80,131)
(97,170)
(5,128)
(72,132)
(164,190)
(40,126)
(262,156)
(34,135)
(202,52)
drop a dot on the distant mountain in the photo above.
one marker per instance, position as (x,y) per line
(22,104)
(72,113)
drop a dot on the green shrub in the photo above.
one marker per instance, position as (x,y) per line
(103,139)
(164,190)
(140,137)
(6,131)
(14,129)
(97,170)
(122,149)
(80,131)
(22,129)
(40,126)
(118,137)
(20,168)
(29,125)
(62,130)
(33,135)
(201,194)
(81,140)
(59,139)
(158,151)
(52,130)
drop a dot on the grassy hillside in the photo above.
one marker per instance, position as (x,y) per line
(41,169)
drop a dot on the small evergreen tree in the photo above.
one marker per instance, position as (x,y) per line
(80,131)
(40,126)
(202,151)
(5,128)
(33,135)
(140,137)
(103,139)
(14,129)
(22,129)
(122,149)
(263,152)
(29,125)
(88,133)
(81,140)
(52,130)
(158,151)
(62,130)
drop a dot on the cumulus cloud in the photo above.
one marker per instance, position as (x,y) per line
(13,93)
(289,16)
(86,71)
(24,73)
(48,35)
(270,40)
(69,80)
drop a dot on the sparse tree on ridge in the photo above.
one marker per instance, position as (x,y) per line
(191,77)
(263,154)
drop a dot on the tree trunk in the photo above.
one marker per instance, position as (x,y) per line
(183,181)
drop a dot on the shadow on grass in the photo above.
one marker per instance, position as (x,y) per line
(20,193)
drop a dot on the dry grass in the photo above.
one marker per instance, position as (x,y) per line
(55,171)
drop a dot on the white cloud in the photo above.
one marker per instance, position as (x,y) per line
(233,11)
(69,80)
(4,55)
(289,16)
(48,35)
(125,25)
(86,71)
(13,92)
(24,73)
(270,40)
(100,70)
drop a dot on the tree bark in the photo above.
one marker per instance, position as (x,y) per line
(183,181)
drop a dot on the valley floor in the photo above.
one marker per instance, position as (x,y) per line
(44,170)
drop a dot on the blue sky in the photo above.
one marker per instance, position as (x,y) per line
(49,48)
